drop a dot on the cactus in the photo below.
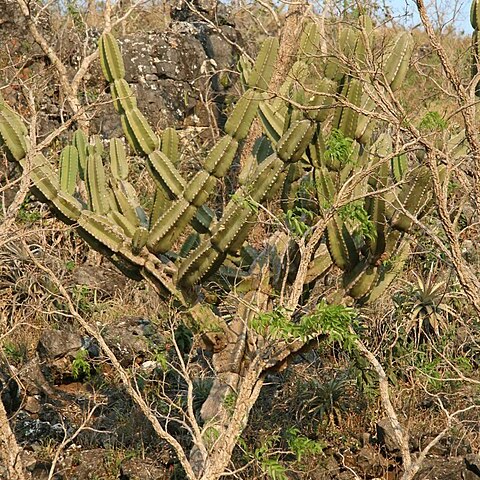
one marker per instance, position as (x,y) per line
(95,180)
(299,147)
(111,58)
(69,169)
(396,65)
(118,160)
(13,134)
(347,149)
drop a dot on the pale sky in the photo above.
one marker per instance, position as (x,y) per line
(448,9)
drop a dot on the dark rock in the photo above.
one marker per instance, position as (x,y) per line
(472,461)
(88,465)
(9,390)
(199,10)
(371,462)
(37,430)
(32,405)
(132,338)
(443,468)
(33,379)
(326,469)
(58,343)
(108,280)
(386,436)
(139,469)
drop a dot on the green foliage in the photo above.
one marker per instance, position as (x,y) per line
(296,219)
(184,338)
(274,469)
(338,148)
(201,389)
(245,202)
(75,14)
(211,435)
(324,401)
(85,298)
(80,366)
(432,121)
(425,307)
(357,217)
(269,461)
(334,321)
(229,402)
(15,353)
(302,446)
(28,211)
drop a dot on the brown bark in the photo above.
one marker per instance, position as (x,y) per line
(9,449)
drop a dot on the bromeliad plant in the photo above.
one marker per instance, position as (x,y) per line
(320,139)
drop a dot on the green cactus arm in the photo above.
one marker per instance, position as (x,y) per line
(204,219)
(325,187)
(457,145)
(475,14)
(396,63)
(261,73)
(320,263)
(126,200)
(346,118)
(79,141)
(292,144)
(340,244)
(144,140)
(102,229)
(13,134)
(123,222)
(323,98)
(198,265)
(361,279)
(272,121)
(309,40)
(387,273)
(96,186)
(165,174)
(122,95)
(118,160)
(170,143)
(111,59)
(365,122)
(241,118)
(69,166)
(413,197)
(139,240)
(160,203)
(192,242)
(231,230)
(399,165)
(170,226)
(69,207)
(44,177)
(221,157)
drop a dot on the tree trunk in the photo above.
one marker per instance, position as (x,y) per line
(10,452)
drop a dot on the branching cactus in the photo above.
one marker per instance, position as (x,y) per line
(319,131)
(367,237)
(110,217)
